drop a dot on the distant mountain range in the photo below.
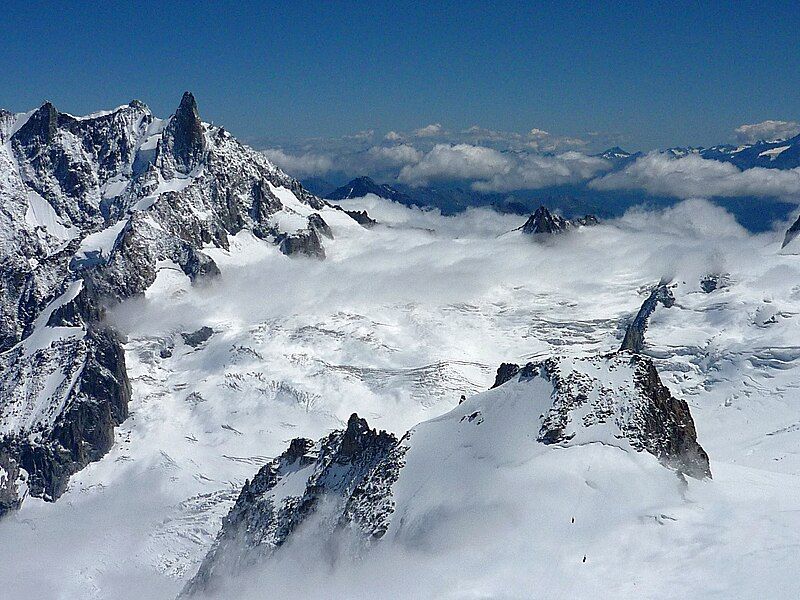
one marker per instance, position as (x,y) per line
(579,199)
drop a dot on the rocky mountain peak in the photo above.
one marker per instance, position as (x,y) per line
(545,222)
(375,486)
(183,141)
(40,128)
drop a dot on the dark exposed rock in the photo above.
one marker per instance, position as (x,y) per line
(84,431)
(505,372)
(361,186)
(10,494)
(712,282)
(362,218)
(347,479)
(152,193)
(305,242)
(651,420)
(792,232)
(545,222)
(318,224)
(667,427)
(634,334)
(198,337)
(183,138)
(199,265)
(259,522)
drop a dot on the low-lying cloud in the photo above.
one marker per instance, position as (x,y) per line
(300,165)
(692,176)
(485,159)
(493,161)
(767,130)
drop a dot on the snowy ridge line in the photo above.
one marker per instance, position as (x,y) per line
(94,205)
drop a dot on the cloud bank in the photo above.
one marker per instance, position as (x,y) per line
(692,176)
(492,161)
(767,130)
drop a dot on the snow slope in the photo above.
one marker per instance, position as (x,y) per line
(397,324)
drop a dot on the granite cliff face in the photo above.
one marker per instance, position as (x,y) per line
(89,207)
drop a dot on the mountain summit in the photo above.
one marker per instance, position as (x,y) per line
(93,207)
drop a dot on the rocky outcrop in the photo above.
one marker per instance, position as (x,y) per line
(505,372)
(640,406)
(792,232)
(362,483)
(11,491)
(264,515)
(543,222)
(361,217)
(714,281)
(91,206)
(318,224)
(196,338)
(305,242)
(77,393)
(182,144)
(634,333)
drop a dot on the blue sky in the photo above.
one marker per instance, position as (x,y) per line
(648,75)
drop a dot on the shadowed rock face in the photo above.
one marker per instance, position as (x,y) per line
(198,337)
(505,372)
(362,218)
(95,393)
(10,496)
(791,233)
(318,224)
(651,419)
(547,223)
(305,242)
(634,334)
(183,138)
(261,521)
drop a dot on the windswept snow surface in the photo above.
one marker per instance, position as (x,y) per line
(397,324)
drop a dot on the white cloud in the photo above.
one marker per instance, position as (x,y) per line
(429,130)
(300,165)
(534,171)
(393,136)
(543,141)
(366,134)
(457,162)
(490,170)
(767,130)
(394,156)
(692,176)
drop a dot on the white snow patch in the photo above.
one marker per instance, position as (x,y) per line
(41,214)
(774,152)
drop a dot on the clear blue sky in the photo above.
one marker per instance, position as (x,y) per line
(660,74)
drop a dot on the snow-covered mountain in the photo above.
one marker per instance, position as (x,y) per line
(362,186)
(92,207)
(166,366)
(366,482)
(769,154)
